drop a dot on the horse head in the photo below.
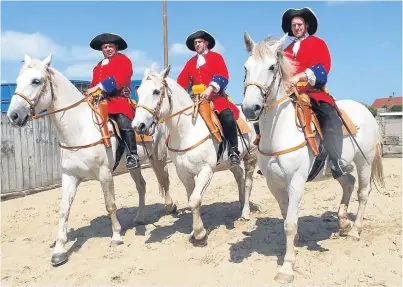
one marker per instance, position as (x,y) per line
(34,91)
(265,70)
(152,105)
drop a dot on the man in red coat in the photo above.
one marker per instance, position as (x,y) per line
(113,77)
(313,65)
(207,69)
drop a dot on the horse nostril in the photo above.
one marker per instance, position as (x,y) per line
(14,116)
(257,108)
(142,126)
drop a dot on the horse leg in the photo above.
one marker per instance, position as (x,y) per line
(69,189)
(347,183)
(295,191)
(107,184)
(250,162)
(138,178)
(160,169)
(364,177)
(203,180)
(281,195)
(237,171)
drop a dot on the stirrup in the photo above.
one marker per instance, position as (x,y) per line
(234,158)
(132,162)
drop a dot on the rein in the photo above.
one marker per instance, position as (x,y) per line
(265,93)
(34,103)
(156,114)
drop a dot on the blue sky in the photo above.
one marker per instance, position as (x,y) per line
(364,38)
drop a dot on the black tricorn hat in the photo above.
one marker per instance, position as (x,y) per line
(104,38)
(306,13)
(200,34)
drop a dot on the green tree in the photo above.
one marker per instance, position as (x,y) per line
(396,108)
(372,110)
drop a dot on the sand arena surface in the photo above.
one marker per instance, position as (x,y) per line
(238,253)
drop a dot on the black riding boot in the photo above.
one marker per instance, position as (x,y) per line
(333,136)
(228,123)
(129,138)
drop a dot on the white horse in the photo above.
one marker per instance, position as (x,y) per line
(265,98)
(41,87)
(191,147)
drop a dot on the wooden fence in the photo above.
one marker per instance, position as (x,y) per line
(29,155)
(391,129)
(30,158)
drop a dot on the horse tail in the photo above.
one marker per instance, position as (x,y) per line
(377,166)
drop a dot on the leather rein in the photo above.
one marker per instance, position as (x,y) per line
(33,103)
(265,93)
(156,114)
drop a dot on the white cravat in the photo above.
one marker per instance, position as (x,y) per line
(200,59)
(297,45)
(105,62)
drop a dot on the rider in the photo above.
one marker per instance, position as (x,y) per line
(208,69)
(313,65)
(112,76)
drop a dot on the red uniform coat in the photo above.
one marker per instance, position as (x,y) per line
(312,51)
(214,70)
(115,78)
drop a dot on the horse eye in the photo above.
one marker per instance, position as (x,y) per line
(36,82)
(271,68)
(156,92)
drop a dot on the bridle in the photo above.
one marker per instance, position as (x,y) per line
(156,113)
(33,103)
(267,91)
(164,92)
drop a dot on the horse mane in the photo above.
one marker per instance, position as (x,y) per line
(55,74)
(264,48)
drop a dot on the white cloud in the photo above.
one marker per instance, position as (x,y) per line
(181,49)
(16,44)
(79,71)
(81,59)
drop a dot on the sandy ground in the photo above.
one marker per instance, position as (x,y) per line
(238,253)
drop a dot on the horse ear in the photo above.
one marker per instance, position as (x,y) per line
(165,72)
(146,72)
(27,59)
(249,43)
(47,61)
(278,47)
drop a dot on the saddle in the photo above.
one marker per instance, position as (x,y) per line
(310,124)
(209,114)
(100,111)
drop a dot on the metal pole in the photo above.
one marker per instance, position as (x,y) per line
(164,18)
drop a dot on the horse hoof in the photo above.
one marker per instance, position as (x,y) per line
(58,259)
(173,210)
(284,278)
(199,242)
(116,243)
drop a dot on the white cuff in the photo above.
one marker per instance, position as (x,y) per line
(215,86)
(101,87)
(311,77)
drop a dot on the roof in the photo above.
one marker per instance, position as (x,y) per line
(389,102)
